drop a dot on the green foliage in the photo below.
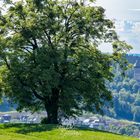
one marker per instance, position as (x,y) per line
(50,52)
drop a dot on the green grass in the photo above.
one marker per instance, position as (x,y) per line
(51,132)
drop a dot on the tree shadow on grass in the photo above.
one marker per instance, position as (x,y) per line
(29,128)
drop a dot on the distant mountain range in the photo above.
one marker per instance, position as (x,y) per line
(134,54)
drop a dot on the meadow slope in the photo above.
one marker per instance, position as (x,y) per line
(50,132)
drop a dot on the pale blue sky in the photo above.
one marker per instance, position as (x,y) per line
(122,10)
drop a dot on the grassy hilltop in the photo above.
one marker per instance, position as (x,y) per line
(51,132)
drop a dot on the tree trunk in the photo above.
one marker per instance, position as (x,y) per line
(51,107)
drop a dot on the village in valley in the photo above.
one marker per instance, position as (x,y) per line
(90,121)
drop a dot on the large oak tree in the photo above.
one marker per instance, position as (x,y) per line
(50,57)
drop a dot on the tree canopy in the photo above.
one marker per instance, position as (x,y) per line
(50,57)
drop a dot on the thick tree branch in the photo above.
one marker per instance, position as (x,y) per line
(6,62)
(35,46)
(49,38)
(37,95)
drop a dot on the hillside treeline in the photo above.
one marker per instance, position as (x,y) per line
(126,94)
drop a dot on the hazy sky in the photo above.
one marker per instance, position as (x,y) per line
(121,9)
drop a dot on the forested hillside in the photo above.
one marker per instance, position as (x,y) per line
(126,94)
